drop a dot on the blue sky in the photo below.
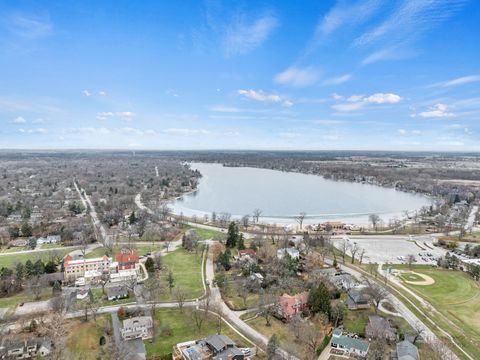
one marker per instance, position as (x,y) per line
(372,74)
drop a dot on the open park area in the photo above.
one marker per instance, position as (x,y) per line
(456,298)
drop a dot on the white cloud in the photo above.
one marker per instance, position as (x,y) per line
(297,77)
(402,131)
(19,120)
(242,37)
(171,92)
(337,97)
(185,132)
(410,19)
(86,93)
(126,115)
(461,80)
(263,97)
(436,111)
(345,14)
(382,98)
(123,115)
(102,93)
(356,102)
(34,131)
(338,80)
(28,27)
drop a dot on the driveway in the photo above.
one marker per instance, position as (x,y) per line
(133,349)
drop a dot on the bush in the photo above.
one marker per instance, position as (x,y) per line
(324,344)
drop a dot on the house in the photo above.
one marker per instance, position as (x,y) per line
(216,347)
(82,294)
(247,253)
(77,268)
(116,292)
(292,252)
(127,259)
(25,349)
(343,281)
(256,278)
(405,350)
(18,243)
(357,300)
(378,327)
(123,276)
(50,239)
(349,345)
(288,306)
(139,327)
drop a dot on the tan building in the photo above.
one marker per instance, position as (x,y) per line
(77,268)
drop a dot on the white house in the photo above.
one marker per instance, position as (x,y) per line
(294,253)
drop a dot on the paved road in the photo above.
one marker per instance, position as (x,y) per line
(471,218)
(88,203)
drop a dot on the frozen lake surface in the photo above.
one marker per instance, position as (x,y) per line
(283,195)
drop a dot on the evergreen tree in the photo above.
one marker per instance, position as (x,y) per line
(232,235)
(272,347)
(132,218)
(319,299)
(57,288)
(150,265)
(50,267)
(29,271)
(170,281)
(39,267)
(224,260)
(26,230)
(19,272)
(241,243)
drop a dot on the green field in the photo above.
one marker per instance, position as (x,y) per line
(11,260)
(204,234)
(23,297)
(457,297)
(187,272)
(83,340)
(411,277)
(141,249)
(183,329)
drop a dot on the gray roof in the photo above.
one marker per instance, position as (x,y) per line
(231,351)
(219,342)
(115,291)
(407,351)
(357,296)
(348,342)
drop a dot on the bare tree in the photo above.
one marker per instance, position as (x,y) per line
(56,330)
(362,254)
(245,221)
(353,250)
(265,307)
(256,215)
(295,327)
(343,249)
(410,260)
(310,340)
(300,218)
(218,310)
(242,292)
(180,295)
(376,292)
(374,219)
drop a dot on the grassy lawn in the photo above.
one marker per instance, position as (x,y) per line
(411,277)
(183,329)
(280,329)
(11,260)
(204,234)
(187,272)
(355,321)
(83,340)
(97,292)
(235,302)
(23,297)
(141,249)
(457,297)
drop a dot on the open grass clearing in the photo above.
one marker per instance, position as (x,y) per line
(186,268)
(140,248)
(83,339)
(23,297)
(11,260)
(204,234)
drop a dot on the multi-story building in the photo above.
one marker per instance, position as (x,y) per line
(77,268)
(139,327)
(127,259)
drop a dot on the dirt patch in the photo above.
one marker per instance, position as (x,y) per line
(425,279)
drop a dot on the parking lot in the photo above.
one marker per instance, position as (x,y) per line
(393,249)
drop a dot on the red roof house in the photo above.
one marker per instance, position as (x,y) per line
(290,305)
(127,259)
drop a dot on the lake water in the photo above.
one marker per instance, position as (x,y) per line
(282,195)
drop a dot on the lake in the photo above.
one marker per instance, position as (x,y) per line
(283,195)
